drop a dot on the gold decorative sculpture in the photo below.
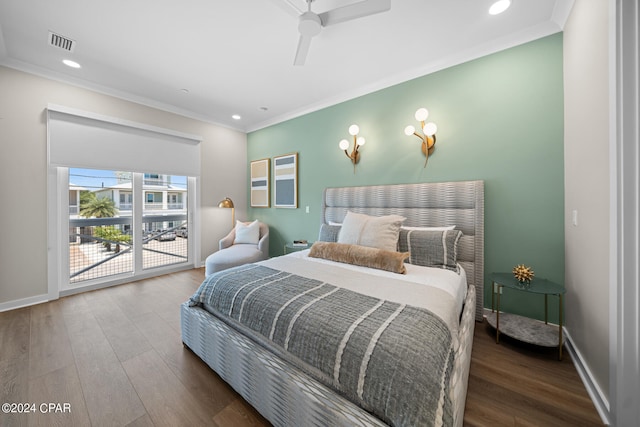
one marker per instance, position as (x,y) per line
(523,273)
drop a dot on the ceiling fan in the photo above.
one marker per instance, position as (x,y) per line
(310,23)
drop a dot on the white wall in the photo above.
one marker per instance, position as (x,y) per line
(23,172)
(587,97)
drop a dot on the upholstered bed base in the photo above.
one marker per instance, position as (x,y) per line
(283,394)
(286,396)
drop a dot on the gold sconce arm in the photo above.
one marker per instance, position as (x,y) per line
(428,137)
(358,141)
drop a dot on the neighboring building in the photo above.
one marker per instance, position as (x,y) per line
(74,199)
(159,195)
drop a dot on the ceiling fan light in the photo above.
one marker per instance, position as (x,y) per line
(499,7)
(309,24)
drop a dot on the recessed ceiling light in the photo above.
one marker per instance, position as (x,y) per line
(499,7)
(236,117)
(70,63)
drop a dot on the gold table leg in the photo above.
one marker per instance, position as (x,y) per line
(545,309)
(498,316)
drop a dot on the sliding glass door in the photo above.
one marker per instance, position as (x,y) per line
(121,223)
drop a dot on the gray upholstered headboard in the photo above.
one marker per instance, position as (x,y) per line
(424,205)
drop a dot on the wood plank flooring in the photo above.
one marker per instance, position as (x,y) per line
(116,357)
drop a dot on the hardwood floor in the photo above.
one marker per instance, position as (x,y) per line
(116,357)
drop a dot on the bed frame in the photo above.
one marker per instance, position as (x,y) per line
(286,396)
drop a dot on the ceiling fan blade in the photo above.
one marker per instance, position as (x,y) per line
(288,6)
(354,11)
(303,49)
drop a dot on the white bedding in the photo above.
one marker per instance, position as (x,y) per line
(440,291)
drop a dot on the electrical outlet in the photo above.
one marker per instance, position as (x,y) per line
(307,209)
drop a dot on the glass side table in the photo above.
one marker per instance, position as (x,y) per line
(290,247)
(522,328)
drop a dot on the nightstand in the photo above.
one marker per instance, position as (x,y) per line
(522,328)
(290,247)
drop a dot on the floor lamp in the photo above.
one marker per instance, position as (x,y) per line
(228,203)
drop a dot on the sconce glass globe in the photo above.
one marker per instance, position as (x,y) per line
(344,144)
(354,130)
(422,114)
(409,130)
(430,129)
(360,140)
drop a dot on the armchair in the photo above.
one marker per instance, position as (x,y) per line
(232,254)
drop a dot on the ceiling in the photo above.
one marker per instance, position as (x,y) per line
(211,59)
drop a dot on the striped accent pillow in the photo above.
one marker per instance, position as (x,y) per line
(329,233)
(431,248)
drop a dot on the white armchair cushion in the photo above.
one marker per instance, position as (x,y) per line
(247,233)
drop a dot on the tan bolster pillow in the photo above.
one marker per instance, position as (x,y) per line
(360,255)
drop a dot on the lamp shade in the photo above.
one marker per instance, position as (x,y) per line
(226,203)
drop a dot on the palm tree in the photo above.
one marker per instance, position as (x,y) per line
(98,208)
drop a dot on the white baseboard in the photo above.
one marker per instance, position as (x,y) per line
(39,299)
(598,398)
(23,302)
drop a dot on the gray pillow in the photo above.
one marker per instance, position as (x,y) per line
(430,248)
(328,233)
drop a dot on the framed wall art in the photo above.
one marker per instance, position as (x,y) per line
(260,175)
(285,180)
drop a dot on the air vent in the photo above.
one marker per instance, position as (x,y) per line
(56,40)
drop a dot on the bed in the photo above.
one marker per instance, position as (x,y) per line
(264,327)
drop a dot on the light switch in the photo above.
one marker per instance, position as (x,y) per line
(307,209)
(574,217)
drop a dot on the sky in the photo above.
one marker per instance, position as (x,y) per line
(93,179)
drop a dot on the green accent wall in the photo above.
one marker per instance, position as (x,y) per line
(500,119)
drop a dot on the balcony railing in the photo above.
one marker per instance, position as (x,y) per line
(95,257)
(160,206)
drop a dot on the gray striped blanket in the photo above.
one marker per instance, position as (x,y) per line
(393,360)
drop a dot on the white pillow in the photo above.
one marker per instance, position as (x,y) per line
(373,231)
(247,233)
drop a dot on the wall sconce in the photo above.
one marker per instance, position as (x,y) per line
(429,133)
(357,142)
